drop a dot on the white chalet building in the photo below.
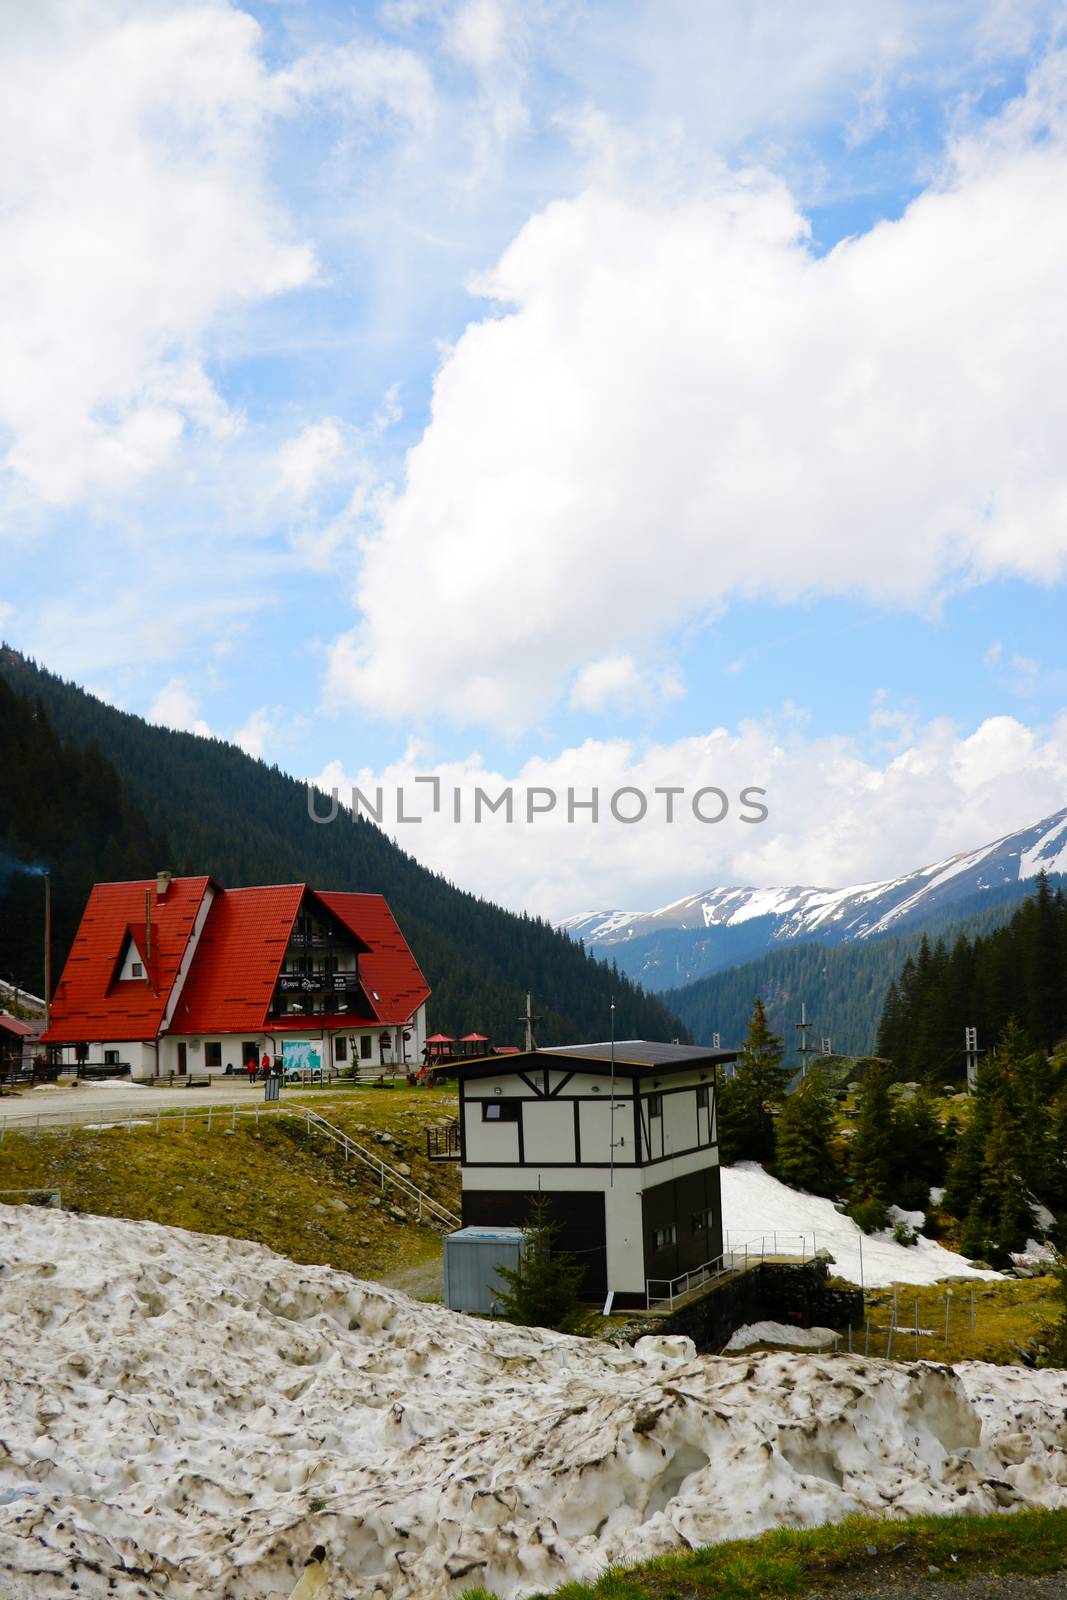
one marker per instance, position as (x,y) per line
(177,975)
(622,1140)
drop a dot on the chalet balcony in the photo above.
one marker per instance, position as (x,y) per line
(318,981)
(443,1144)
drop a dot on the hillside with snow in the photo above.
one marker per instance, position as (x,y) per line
(717,927)
(187,1415)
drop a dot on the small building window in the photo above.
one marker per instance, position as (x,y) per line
(655,1105)
(213,1053)
(665,1236)
(702,1221)
(365,1047)
(111,1058)
(500,1111)
(340,1047)
(137,970)
(702,1097)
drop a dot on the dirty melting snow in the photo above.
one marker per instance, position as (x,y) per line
(186,1415)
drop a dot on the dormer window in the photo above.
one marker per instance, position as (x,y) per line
(136,970)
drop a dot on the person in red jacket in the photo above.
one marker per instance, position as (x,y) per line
(250,1066)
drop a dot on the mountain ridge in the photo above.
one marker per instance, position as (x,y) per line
(669,947)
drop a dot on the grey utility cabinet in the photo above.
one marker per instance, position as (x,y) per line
(472,1256)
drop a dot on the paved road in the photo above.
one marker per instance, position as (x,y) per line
(96,1102)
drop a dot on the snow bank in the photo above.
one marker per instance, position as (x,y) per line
(781,1333)
(188,1416)
(755,1206)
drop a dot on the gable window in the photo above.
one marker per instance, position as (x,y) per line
(702,1097)
(137,970)
(340,1047)
(213,1053)
(665,1236)
(500,1111)
(655,1105)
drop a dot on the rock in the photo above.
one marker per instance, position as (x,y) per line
(337,1204)
(403,1169)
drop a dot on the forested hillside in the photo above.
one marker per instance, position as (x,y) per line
(63,808)
(199,805)
(843,986)
(981,980)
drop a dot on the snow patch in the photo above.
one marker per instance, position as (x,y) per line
(756,1206)
(780,1333)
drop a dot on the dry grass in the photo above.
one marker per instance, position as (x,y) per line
(274,1182)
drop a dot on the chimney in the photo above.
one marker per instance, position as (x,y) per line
(163,881)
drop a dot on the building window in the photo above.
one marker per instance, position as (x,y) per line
(340,1047)
(665,1236)
(702,1221)
(366,1045)
(655,1105)
(137,970)
(111,1058)
(702,1097)
(213,1053)
(500,1111)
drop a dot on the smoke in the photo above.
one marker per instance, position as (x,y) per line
(9,865)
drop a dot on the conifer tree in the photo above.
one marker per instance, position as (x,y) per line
(871,1152)
(543,1290)
(802,1134)
(746,1121)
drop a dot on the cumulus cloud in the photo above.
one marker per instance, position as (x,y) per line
(256,733)
(177,707)
(137,213)
(617,681)
(838,814)
(681,403)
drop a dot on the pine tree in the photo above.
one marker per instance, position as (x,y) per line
(920,1150)
(802,1134)
(746,1120)
(543,1291)
(871,1152)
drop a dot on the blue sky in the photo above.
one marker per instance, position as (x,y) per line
(548,388)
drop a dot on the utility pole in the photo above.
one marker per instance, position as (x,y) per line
(970,1043)
(528,1019)
(804,1049)
(827,1046)
(611,1116)
(47,949)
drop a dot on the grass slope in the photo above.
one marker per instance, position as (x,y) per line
(855,1558)
(273,1183)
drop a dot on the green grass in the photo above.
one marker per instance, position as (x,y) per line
(838,1558)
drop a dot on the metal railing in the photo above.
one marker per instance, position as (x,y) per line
(739,1258)
(443,1144)
(427,1209)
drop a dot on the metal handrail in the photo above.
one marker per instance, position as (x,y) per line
(737,1259)
(438,1213)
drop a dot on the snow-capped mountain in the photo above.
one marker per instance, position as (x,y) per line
(733,924)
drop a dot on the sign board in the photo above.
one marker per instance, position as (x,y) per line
(300,1055)
(299,983)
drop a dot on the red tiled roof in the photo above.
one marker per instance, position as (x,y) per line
(16,1026)
(238,959)
(234,970)
(88,1004)
(391,977)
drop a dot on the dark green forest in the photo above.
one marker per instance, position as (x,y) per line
(981,980)
(92,792)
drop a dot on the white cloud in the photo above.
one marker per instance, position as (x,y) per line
(838,815)
(312,458)
(256,733)
(618,681)
(682,404)
(137,215)
(176,706)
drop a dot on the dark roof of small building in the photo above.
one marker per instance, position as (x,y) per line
(20,1029)
(641,1053)
(632,1057)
